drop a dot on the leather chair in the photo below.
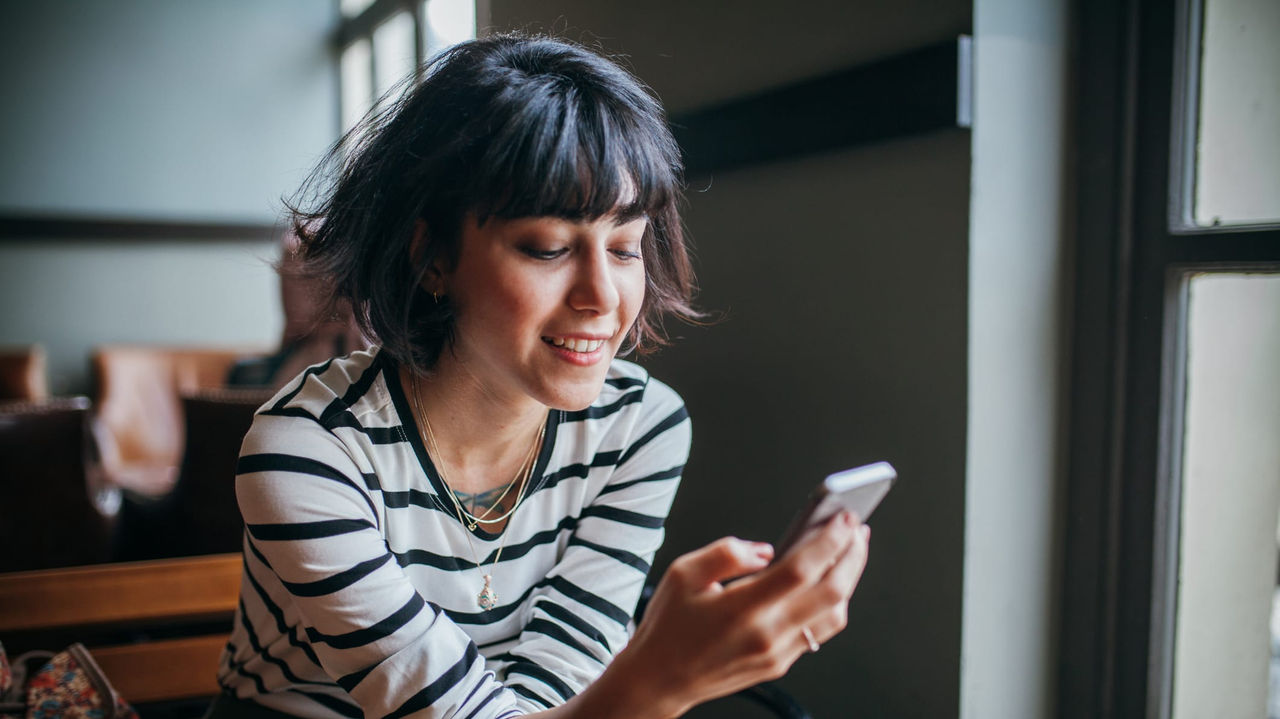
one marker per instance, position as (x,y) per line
(138,413)
(48,514)
(200,515)
(23,374)
(205,498)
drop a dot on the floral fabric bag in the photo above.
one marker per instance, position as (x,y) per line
(44,685)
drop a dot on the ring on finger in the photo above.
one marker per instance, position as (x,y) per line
(808,637)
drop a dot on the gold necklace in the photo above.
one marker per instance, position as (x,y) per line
(487,598)
(526,467)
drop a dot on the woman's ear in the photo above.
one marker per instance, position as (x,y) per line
(431,279)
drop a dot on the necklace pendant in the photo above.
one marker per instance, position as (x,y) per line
(487,599)
(471,526)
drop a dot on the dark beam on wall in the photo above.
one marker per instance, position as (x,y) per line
(25,227)
(920,91)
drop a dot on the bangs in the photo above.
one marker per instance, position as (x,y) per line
(572,156)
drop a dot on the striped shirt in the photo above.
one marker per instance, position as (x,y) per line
(359,588)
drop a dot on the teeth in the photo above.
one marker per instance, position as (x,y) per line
(576,345)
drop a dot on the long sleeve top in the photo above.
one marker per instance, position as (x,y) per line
(359,593)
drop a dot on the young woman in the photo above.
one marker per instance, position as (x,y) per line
(459,522)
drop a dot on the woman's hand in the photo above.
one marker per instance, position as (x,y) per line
(702,638)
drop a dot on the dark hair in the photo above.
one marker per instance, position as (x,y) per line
(506,127)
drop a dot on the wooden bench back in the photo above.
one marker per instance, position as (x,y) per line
(134,596)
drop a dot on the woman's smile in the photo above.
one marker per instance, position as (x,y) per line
(577,350)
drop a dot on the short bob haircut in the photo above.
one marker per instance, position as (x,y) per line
(506,127)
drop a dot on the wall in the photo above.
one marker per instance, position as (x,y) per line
(1016,285)
(843,282)
(154,110)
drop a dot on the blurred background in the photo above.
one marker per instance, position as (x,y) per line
(938,233)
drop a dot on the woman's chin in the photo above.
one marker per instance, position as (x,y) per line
(576,396)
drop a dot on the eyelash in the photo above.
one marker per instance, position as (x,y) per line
(543,254)
(548,255)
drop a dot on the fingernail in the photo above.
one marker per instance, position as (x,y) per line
(866,532)
(764,551)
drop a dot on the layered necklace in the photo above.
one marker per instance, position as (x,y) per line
(487,598)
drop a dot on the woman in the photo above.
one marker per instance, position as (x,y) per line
(458,523)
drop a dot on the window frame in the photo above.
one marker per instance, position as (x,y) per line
(1137,68)
(351,29)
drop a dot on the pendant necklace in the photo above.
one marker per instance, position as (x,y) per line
(487,598)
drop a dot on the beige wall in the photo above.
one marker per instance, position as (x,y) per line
(844,282)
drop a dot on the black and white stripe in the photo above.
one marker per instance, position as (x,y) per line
(359,591)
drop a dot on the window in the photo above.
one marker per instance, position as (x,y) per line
(1224,643)
(1173,493)
(382,42)
(1236,176)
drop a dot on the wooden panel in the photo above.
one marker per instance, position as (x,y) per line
(163,670)
(160,590)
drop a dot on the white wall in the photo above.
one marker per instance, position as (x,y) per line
(148,109)
(73,295)
(160,109)
(1016,281)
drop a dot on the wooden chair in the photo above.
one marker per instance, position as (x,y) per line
(49,508)
(138,411)
(23,374)
(139,600)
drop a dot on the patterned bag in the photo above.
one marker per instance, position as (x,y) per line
(66,684)
(6,681)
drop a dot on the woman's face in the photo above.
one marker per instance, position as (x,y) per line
(542,304)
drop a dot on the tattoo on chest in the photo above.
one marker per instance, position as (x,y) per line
(479,503)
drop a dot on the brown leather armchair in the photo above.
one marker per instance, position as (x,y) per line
(200,515)
(138,414)
(48,505)
(23,374)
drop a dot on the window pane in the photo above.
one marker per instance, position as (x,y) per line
(448,22)
(393,58)
(1225,661)
(357,82)
(351,8)
(1238,155)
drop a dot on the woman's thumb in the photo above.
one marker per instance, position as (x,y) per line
(723,559)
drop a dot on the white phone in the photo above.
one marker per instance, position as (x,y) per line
(858,490)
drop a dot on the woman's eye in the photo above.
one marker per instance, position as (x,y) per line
(627,254)
(538,254)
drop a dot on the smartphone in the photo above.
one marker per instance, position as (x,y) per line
(858,490)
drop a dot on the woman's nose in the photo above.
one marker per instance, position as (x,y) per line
(595,288)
